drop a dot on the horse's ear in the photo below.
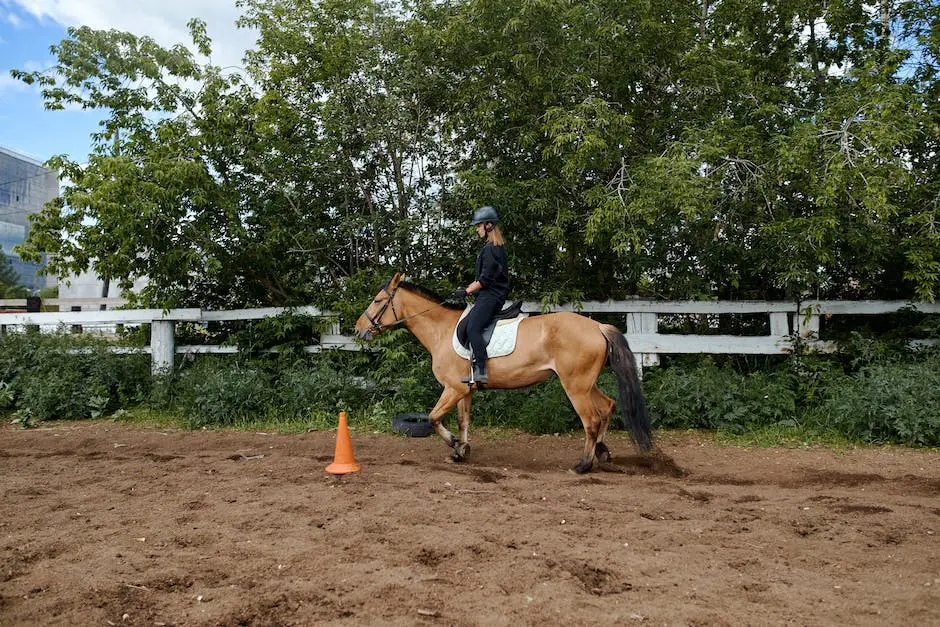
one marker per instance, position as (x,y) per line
(393,283)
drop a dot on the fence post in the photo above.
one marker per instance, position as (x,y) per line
(807,324)
(644,324)
(779,324)
(162,346)
(33,305)
(76,328)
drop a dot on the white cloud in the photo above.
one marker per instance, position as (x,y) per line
(8,83)
(163,20)
(37,66)
(14,19)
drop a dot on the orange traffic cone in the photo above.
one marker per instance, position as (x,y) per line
(343,460)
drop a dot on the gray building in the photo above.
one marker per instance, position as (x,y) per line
(25,186)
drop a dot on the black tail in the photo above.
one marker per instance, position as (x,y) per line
(636,415)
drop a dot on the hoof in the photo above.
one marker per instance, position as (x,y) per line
(584,466)
(602,453)
(461,451)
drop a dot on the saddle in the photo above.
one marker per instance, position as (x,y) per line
(503,326)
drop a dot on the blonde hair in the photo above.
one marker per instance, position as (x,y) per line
(495,237)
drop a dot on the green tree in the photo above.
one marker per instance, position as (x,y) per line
(552,101)
(695,149)
(354,139)
(225,191)
(158,197)
(10,284)
(732,148)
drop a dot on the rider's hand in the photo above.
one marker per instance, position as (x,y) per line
(459,294)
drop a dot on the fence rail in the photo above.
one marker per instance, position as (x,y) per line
(790,322)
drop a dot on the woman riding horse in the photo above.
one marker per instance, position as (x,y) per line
(570,346)
(491,286)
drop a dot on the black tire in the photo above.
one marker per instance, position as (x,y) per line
(414,425)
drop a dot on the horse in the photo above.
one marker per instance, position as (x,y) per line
(569,345)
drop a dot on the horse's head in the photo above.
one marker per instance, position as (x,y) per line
(381,312)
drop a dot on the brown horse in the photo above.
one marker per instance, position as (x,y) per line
(570,345)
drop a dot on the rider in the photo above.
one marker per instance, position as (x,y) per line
(491,286)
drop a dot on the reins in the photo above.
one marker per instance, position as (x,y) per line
(377,326)
(406,318)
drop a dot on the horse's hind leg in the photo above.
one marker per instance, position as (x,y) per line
(604,405)
(581,398)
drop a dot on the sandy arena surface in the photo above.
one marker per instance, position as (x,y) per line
(110,524)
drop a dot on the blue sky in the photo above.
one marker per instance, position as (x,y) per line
(24,125)
(29,27)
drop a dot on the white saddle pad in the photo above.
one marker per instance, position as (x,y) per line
(503,341)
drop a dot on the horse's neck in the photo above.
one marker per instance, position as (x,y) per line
(428,321)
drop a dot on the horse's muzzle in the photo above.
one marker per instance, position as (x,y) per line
(365,336)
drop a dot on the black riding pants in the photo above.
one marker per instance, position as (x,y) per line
(484,310)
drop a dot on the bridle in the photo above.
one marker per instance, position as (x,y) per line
(376,321)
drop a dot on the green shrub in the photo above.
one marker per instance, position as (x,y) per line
(60,389)
(717,397)
(886,402)
(213,392)
(18,356)
(871,392)
(228,391)
(288,332)
(47,379)
(320,385)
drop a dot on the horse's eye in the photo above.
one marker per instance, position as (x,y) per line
(376,301)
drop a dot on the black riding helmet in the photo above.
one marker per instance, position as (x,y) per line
(485,214)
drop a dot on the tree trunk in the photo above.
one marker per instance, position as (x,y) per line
(814,55)
(886,22)
(702,23)
(105,288)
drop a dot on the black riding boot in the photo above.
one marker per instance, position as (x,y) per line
(479,372)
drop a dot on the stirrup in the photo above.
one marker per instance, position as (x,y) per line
(469,380)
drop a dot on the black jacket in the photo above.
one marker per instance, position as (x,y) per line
(492,270)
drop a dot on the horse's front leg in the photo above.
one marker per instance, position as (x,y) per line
(449,398)
(462,447)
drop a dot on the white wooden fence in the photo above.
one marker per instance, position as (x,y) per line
(789,323)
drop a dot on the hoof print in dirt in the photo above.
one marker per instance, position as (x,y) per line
(413,425)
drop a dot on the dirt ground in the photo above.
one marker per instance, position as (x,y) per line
(111,524)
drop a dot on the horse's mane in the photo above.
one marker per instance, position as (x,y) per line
(423,291)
